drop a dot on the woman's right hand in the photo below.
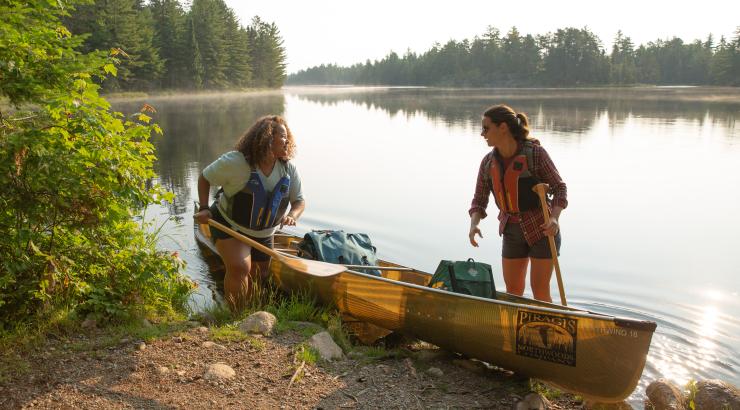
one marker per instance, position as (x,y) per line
(471,235)
(202,216)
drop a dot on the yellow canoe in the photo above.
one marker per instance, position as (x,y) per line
(598,356)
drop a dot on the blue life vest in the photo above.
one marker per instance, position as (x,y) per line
(255,208)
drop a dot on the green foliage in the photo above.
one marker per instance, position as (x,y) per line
(74,176)
(567,57)
(692,389)
(228,333)
(574,57)
(217,314)
(266,53)
(167,47)
(169,39)
(125,25)
(257,344)
(546,391)
(299,306)
(338,333)
(306,354)
(377,353)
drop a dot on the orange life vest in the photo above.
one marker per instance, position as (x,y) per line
(512,187)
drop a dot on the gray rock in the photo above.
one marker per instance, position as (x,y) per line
(595,405)
(664,395)
(435,372)
(430,355)
(533,401)
(202,329)
(410,367)
(324,344)
(219,371)
(89,323)
(141,346)
(716,394)
(162,370)
(259,322)
(209,345)
(472,365)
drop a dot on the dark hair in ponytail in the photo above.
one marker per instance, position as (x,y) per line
(518,122)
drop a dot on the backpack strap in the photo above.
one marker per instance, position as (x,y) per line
(528,149)
(453,278)
(493,285)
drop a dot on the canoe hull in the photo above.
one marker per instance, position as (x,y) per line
(597,356)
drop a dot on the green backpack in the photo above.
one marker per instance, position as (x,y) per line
(466,277)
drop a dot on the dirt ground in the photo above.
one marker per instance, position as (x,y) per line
(168,373)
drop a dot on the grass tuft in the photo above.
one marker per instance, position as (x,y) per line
(228,333)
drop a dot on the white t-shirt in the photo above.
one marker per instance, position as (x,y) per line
(231,172)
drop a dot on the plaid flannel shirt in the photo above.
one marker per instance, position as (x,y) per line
(544,170)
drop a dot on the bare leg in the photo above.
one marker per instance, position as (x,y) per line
(540,278)
(515,271)
(237,260)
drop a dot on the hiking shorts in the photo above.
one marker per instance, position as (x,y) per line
(516,247)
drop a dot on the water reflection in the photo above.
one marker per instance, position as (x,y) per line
(550,110)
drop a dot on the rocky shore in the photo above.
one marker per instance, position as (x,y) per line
(252,365)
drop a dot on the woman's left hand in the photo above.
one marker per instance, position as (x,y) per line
(550,228)
(287,220)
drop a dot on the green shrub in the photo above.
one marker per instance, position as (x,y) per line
(74,177)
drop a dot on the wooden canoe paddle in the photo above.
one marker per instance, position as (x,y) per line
(308,266)
(541,189)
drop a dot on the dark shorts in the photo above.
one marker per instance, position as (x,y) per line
(217,234)
(515,246)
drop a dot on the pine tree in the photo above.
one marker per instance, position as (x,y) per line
(237,69)
(208,32)
(127,25)
(622,69)
(169,38)
(266,53)
(195,68)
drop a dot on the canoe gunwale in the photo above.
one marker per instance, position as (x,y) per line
(570,311)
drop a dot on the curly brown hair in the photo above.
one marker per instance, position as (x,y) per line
(256,143)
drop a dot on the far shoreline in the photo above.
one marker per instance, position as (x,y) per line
(684,93)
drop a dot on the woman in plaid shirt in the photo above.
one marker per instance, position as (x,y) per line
(520,221)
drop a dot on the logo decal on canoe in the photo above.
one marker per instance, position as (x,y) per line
(546,337)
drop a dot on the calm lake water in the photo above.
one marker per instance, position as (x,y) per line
(653,178)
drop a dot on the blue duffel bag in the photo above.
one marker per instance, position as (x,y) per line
(340,247)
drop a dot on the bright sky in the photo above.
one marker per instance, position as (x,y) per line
(346,32)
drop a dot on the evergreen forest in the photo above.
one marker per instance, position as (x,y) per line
(566,58)
(160,45)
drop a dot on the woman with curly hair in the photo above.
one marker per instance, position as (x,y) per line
(260,191)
